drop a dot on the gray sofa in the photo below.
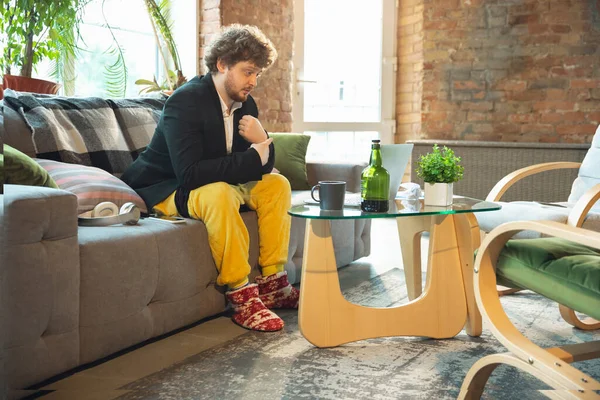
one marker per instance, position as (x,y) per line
(72,295)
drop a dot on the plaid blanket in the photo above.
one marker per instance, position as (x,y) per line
(103,133)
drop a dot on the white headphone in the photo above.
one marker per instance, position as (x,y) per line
(107,213)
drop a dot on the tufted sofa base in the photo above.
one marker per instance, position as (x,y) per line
(72,295)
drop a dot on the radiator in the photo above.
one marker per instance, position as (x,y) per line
(486,163)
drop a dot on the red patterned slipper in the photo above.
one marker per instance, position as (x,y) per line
(276,291)
(250,312)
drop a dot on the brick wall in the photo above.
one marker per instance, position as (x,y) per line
(275,18)
(499,70)
(509,70)
(209,25)
(409,51)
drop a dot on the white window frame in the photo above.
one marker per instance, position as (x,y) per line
(387,125)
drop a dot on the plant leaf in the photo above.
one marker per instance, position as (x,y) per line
(116,73)
(144,82)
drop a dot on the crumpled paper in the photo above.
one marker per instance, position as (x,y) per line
(410,191)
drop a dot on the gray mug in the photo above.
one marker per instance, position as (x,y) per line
(331,194)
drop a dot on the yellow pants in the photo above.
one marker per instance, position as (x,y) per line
(217,205)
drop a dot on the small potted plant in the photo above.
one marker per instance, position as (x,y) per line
(439,169)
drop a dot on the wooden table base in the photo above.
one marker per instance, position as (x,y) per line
(327,319)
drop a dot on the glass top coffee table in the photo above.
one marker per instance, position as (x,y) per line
(446,305)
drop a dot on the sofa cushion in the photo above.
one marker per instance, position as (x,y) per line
(566,272)
(91,185)
(108,134)
(589,172)
(20,169)
(145,280)
(290,158)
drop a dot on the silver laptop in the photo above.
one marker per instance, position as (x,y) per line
(395,159)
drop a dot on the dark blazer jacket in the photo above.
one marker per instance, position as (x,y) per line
(188,149)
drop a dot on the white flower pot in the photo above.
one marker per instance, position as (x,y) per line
(438,194)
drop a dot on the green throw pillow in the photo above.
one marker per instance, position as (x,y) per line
(20,169)
(290,158)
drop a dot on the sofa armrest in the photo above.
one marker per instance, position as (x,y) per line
(324,171)
(33,213)
(39,296)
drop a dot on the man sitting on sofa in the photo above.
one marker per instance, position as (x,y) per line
(208,156)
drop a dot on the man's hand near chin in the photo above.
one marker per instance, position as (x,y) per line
(251,129)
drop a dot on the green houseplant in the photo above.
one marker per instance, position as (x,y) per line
(34,30)
(439,169)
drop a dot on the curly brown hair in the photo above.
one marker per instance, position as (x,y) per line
(240,43)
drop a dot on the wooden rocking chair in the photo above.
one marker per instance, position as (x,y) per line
(580,209)
(564,268)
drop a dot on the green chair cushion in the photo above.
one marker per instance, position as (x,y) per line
(290,158)
(20,169)
(566,272)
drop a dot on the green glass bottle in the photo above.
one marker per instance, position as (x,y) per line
(375,183)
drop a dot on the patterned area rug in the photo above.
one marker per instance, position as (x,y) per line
(283,365)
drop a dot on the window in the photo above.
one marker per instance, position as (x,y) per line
(344,57)
(132,29)
(340,145)
(131,26)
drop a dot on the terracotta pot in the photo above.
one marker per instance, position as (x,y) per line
(1,92)
(32,85)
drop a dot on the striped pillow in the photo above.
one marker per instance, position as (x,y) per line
(91,185)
